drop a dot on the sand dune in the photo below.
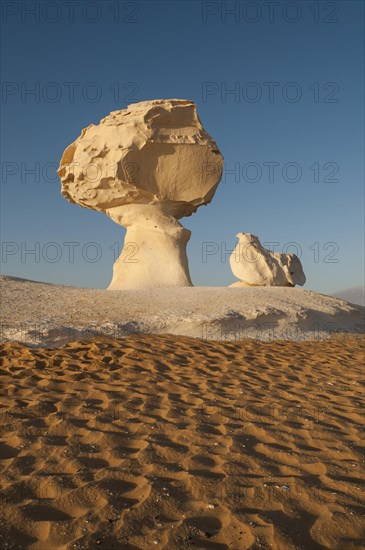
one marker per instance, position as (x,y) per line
(174,442)
(355,295)
(52,315)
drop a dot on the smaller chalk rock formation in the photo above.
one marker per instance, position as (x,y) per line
(145,167)
(254,265)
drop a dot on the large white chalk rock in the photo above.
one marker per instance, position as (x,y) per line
(254,265)
(145,167)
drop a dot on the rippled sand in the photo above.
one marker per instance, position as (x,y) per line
(176,442)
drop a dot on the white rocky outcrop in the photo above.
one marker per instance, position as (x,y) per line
(60,314)
(254,265)
(146,167)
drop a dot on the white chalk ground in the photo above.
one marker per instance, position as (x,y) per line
(43,314)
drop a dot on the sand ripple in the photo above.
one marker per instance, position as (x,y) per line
(176,442)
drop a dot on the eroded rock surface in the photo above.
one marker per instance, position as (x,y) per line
(254,265)
(146,167)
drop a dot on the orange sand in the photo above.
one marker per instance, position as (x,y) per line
(171,442)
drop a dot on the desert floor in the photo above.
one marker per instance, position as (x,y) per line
(173,442)
(49,315)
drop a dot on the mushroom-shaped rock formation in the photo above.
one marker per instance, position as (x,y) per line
(145,167)
(254,265)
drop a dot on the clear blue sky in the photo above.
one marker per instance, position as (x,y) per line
(104,55)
